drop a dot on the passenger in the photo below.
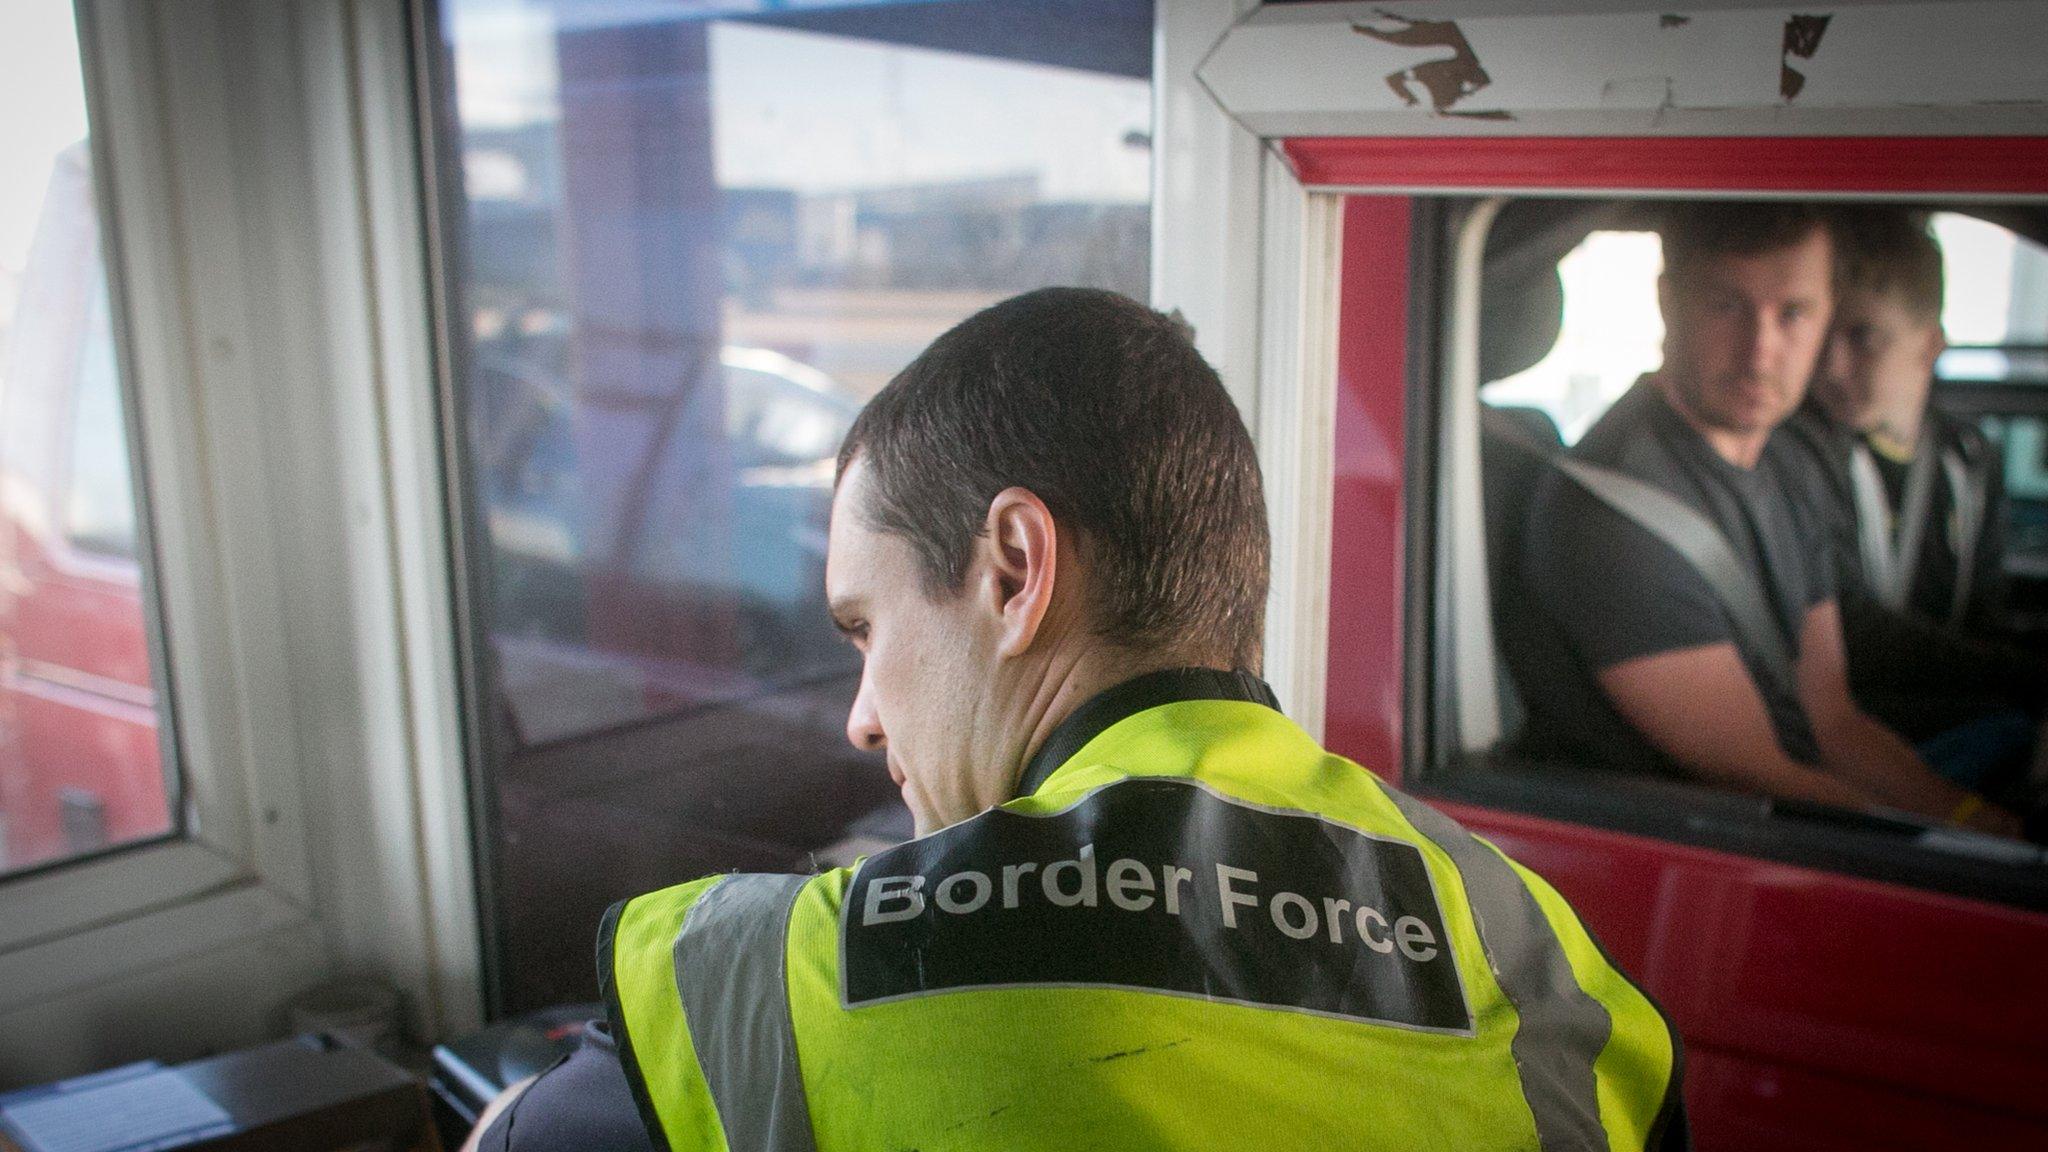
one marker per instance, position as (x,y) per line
(1917,500)
(1658,675)
(1147,911)
(1912,477)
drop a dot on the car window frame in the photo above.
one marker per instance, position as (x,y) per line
(1443,497)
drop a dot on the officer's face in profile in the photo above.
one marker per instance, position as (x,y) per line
(1742,333)
(1879,364)
(935,691)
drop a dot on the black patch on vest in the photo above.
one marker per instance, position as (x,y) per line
(917,921)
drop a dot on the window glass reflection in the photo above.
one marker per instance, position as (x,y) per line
(100,495)
(1571,320)
(692,239)
(81,736)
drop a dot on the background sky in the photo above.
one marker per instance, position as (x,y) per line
(44,113)
(815,112)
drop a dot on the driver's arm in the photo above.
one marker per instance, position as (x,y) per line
(1698,706)
(1863,752)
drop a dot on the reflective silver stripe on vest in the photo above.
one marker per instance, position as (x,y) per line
(729,960)
(1563,1029)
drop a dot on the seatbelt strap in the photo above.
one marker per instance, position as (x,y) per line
(1972,499)
(1891,551)
(1690,534)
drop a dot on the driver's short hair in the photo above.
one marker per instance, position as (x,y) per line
(1697,231)
(1890,252)
(1102,408)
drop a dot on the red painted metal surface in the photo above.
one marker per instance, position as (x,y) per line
(1800,991)
(1820,1010)
(1986,165)
(1363,708)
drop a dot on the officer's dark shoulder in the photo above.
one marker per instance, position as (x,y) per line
(582,1103)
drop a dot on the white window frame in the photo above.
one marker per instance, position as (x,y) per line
(261,206)
(1250,257)
(212,675)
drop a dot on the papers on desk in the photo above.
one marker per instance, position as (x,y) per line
(135,1108)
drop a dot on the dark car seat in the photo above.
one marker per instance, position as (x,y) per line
(1515,447)
(1521,316)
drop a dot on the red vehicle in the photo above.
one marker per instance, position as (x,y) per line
(80,762)
(1840,981)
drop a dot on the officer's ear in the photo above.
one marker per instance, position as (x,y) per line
(1023,561)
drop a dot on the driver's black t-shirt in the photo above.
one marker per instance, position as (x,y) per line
(1615,592)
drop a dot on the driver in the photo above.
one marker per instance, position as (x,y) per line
(1657,675)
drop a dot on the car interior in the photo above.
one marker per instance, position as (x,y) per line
(1485,749)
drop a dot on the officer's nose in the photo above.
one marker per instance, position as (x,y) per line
(863,724)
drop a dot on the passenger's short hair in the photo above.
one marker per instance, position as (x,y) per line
(1102,408)
(1889,251)
(1695,232)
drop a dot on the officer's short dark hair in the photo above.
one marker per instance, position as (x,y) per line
(1695,232)
(1102,408)
(1889,251)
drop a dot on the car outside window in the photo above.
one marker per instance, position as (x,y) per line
(82,767)
(688,243)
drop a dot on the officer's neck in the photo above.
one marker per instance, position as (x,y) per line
(1073,679)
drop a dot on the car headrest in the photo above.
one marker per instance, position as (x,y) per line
(1530,428)
(1520,317)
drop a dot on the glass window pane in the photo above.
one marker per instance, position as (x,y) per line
(99,493)
(1599,323)
(690,241)
(81,767)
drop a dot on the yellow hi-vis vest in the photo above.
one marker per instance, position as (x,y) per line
(1194,929)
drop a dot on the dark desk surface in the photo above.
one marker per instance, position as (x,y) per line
(308,1094)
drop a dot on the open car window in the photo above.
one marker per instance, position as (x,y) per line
(1566,334)
(1569,320)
